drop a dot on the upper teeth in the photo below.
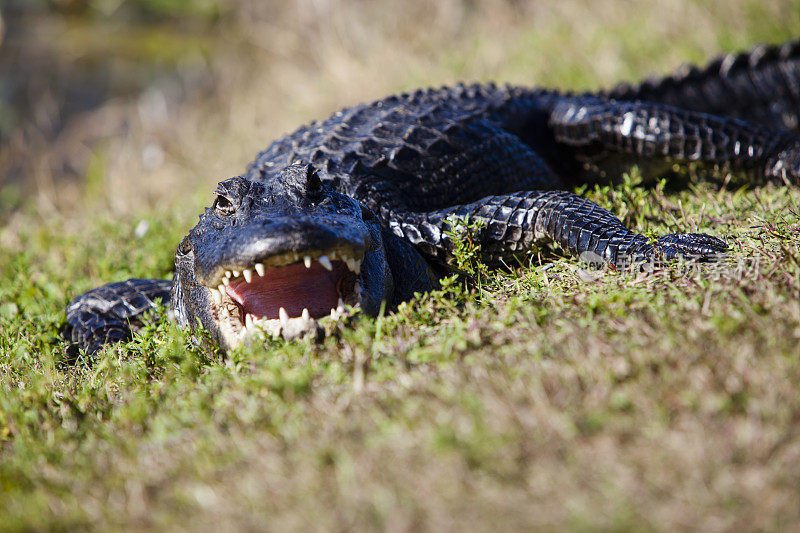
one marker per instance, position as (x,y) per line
(353,264)
(325,262)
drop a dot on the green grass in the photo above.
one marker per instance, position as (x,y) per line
(547,395)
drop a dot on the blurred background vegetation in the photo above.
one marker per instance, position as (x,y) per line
(150,97)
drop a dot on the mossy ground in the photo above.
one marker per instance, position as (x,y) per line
(543,395)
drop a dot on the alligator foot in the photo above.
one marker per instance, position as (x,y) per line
(110,313)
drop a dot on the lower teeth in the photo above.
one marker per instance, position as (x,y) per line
(274,325)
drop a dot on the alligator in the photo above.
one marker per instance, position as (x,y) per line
(361,209)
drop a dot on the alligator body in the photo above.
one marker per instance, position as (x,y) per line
(355,210)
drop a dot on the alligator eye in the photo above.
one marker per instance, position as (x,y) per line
(223,206)
(185,247)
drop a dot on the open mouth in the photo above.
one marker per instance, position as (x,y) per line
(287,296)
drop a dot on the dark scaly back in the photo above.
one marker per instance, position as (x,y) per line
(761,86)
(332,143)
(386,131)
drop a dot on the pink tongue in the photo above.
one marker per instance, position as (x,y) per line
(292,287)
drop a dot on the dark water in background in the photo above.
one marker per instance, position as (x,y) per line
(70,70)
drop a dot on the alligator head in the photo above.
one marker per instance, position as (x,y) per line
(276,255)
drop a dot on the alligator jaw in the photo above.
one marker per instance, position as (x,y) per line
(285,295)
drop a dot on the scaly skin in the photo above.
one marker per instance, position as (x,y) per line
(760,86)
(377,185)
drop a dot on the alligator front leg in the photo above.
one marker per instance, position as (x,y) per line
(514,223)
(109,313)
(597,129)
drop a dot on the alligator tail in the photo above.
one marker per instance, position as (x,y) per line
(761,86)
